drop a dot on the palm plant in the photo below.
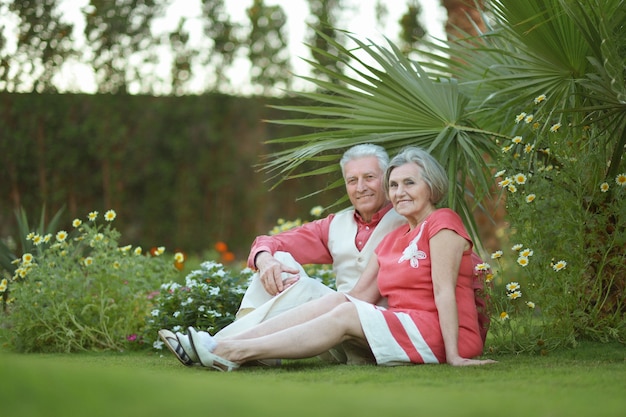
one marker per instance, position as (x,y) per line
(458,102)
(392,102)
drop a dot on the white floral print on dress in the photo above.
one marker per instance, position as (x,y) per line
(412,252)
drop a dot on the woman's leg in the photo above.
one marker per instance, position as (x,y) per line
(303,340)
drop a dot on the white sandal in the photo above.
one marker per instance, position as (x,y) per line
(207,357)
(174,346)
(185,344)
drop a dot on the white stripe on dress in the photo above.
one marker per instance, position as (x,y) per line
(416,338)
(384,346)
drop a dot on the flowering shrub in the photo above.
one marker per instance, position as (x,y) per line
(80,291)
(207,300)
(563,277)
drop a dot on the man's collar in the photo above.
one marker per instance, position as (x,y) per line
(376,217)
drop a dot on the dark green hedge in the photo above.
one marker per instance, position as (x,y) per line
(179,171)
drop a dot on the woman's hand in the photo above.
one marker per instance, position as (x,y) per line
(459,361)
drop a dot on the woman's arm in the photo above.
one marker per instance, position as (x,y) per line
(446,251)
(366,288)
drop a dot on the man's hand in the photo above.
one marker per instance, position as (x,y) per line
(270,273)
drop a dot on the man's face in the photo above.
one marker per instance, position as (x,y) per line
(364,184)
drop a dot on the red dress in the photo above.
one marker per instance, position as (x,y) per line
(408,330)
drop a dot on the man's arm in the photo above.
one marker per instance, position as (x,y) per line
(307,244)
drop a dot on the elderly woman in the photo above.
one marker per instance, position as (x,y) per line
(424,268)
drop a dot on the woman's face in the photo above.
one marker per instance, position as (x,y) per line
(409,193)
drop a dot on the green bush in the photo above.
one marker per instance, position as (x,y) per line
(561,275)
(81,291)
(207,300)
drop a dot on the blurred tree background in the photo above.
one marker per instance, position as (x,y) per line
(174,155)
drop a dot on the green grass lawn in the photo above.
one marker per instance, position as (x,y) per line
(587,381)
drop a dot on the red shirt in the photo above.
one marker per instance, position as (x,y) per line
(308,244)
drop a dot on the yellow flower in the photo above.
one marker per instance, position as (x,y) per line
(76,223)
(116,265)
(604,187)
(504,316)
(30,236)
(540,98)
(88,261)
(559,265)
(522,261)
(506,148)
(47,238)
(37,240)
(92,216)
(512,188)
(317,211)
(514,295)
(109,215)
(179,257)
(500,173)
(529,148)
(517,247)
(529,118)
(61,236)
(520,117)
(3,285)
(530,304)
(530,198)
(138,250)
(125,249)
(27,259)
(555,127)
(520,178)
(527,252)
(497,254)
(482,267)
(621,180)
(97,238)
(505,182)
(160,250)
(517,140)
(488,278)
(512,286)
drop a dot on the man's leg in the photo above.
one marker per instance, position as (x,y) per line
(251,313)
(255,295)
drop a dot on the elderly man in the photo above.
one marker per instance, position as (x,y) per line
(346,240)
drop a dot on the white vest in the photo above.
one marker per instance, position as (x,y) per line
(348,262)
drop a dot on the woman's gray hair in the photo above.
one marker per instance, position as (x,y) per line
(362,151)
(431,171)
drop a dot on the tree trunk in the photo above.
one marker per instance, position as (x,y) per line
(464,18)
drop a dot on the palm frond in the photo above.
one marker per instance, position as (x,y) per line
(392,101)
